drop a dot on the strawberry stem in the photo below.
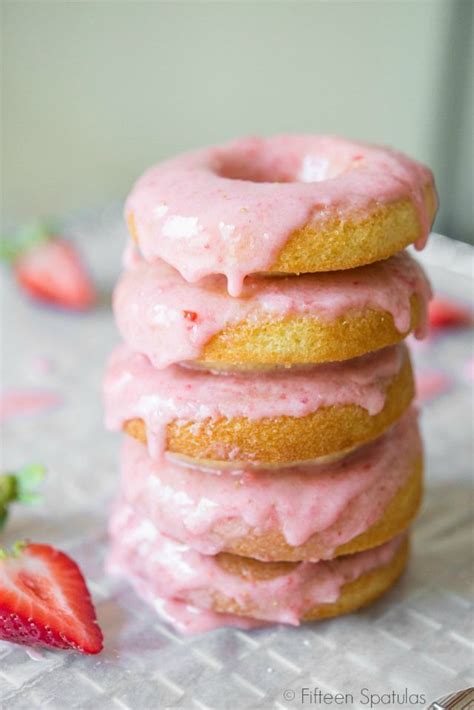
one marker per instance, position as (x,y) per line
(28,237)
(15,551)
(19,486)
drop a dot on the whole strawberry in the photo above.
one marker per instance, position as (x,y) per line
(44,600)
(48,268)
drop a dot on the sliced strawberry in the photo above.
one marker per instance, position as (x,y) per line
(44,601)
(444,313)
(52,271)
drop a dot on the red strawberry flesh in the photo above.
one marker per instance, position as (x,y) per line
(444,313)
(53,272)
(44,601)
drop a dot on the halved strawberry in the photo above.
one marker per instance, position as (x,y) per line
(444,313)
(49,268)
(53,272)
(44,601)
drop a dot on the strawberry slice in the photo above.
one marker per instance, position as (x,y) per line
(444,313)
(49,268)
(44,600)
(53,272)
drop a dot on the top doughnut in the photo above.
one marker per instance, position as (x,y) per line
(288,204)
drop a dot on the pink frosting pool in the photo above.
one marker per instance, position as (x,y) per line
(207,511)
(230,209)
(133,388)
(17,403)
(163,569)
(189,619)
(170,320)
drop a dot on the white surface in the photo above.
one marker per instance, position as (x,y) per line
(417,638)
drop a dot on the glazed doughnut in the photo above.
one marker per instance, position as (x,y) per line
(288,204)
(242,586)
(307,513)
(295,320)
(273,418)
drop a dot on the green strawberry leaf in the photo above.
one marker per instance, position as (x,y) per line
(28,237)
(3,515)
(16,550)
(8,488)
(20,486)
(28,479)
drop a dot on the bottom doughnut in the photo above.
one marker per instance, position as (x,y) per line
(184,584)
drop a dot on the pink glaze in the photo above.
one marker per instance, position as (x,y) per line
(430,384)
(208,512)
(133,388)
(469,370)
(25,402)
(41,365)
(170,570)
(170,320)
(188,618)
(230,209)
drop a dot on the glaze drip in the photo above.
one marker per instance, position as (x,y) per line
(231,209)
(133,389)
(164,569)
(171,320)
(207,511)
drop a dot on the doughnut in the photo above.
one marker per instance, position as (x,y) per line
(307,513)
(288,204)
(190,620)
(229,584)
(272,418)
(285,321)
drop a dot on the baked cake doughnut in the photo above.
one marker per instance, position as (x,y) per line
(306,513)
(242,586)
(272,418)
(273,464)
(288,204)
(294,320)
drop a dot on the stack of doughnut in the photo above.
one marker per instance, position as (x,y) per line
(272,463)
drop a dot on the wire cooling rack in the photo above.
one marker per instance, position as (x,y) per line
(411,647)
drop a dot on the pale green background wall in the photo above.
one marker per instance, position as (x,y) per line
(93,92)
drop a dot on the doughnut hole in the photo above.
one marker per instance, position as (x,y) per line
(284,163)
